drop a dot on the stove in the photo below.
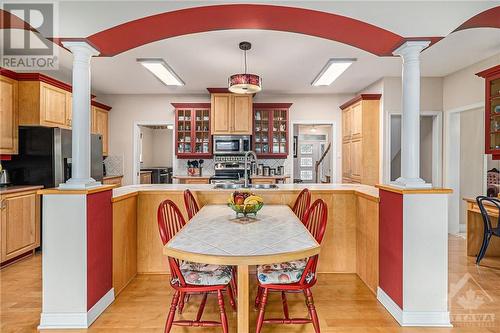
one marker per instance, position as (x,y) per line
(229,169)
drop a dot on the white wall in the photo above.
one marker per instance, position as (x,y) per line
(162,146)
(147,146)
(130,109)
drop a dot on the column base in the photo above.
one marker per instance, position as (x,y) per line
(79,184)
(410,183)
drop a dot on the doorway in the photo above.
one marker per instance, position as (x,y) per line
(430,148)
(312,153)
(153,152)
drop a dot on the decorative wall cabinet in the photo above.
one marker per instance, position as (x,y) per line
(19,224)
(492,111)
(8,115)
(44,104)
(192,130)
(360,139)
(231,114)
(270,129)
(100,124)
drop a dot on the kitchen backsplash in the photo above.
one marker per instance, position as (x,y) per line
(208,165)
(114,165)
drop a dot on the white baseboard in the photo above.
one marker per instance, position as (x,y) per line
(100,306)
(413,318)
(76,320)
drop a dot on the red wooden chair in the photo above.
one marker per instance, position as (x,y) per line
(190,203)
(189,278)
(302,204)
(300,275)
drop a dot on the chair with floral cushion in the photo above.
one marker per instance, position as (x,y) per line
(294,276)
(191,204)
(192,278)
(302,203)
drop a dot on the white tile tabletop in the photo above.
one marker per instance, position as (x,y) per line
(215,230)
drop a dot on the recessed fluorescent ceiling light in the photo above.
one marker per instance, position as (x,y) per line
(332,70)
(162,71)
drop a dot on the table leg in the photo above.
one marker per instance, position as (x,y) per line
(243,299)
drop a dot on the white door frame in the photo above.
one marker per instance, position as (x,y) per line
(135,154)
(337,172)
(452,160)
(437,151)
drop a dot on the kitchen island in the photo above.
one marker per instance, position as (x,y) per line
(350,244)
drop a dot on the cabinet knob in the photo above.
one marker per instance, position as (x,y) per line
(3,204)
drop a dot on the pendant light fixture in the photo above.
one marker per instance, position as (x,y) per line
(245,83)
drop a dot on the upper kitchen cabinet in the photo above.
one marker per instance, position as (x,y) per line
(192,130)
(231,114)
(270,129)
(360,139)
(100,124)
(492,111)
(44,101)
(8,115)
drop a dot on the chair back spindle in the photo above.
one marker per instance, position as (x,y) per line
(191,205)
(302,204)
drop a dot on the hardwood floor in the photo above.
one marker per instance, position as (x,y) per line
(343,302)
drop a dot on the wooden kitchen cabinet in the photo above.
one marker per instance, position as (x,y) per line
(19,224)
(100,125)
(145,177)
(492,111)
(360,139)
(8,116)
(192,130)
(231,114)
(112,180)
(270,129)
(43,104)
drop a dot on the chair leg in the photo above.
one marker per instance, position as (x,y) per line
(484,247)
(262,310)
(285,305)
(171,314)
(181,302)
(230,293)
(312,309)
(202,306)
(257,298)
(223,317)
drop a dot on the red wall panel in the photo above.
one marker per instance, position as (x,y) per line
(99,246)
(391,245)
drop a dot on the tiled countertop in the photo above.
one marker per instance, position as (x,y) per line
(214,230)
(366,190)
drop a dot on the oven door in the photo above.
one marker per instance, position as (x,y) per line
(228,145)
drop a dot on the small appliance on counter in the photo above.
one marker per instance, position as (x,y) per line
(4,177)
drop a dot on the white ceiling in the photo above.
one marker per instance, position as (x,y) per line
(287,62)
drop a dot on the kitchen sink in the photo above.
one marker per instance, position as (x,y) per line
(264,186)
(223,186)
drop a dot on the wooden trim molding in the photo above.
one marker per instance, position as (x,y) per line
(8,73)
(218,90)
(433,190)
(100,105)
(272,105)
(191,105)
(361,97)
(489,72)
(92,190)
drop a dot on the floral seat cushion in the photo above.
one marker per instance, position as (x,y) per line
(283,273)
(204,274)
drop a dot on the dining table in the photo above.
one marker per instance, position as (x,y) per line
(215,235)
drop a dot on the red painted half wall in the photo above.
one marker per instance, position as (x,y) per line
(99,246)
(391,245)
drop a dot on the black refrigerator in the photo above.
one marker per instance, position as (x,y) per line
(45,157)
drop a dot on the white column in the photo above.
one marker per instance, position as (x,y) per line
(80,154)
(410,121)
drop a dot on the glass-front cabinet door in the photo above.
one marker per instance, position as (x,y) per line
(270,139)
(192,130)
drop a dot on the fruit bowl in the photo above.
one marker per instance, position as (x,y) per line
(245,203)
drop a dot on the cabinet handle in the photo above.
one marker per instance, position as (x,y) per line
(3,204)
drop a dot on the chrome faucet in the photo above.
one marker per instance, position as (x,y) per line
(250,152)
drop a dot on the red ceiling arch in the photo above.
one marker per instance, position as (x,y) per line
(339,28)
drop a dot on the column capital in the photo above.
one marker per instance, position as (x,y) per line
(81,48)
(411,48)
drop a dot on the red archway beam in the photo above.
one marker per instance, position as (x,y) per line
(339,28)
(488,19)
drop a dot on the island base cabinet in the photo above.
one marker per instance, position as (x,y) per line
(367,242)
(19,224)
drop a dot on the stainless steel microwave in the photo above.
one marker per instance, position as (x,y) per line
(231,144)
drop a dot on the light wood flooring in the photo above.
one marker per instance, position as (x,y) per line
(343,302)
